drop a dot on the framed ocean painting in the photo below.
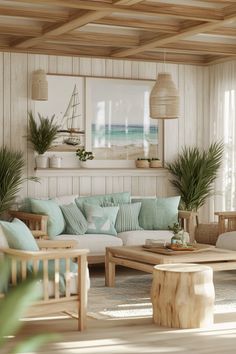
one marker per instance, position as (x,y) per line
(118,125)
(66,101)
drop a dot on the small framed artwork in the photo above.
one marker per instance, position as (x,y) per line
(118,126)
(66,101)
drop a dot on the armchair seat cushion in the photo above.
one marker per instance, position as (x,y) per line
(138,237)
(96,243)
(227,241)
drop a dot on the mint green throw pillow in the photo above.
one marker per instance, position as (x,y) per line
(19,236)
(127,218)
(104,200)
(56,223)
(76,224)
(101,220)
(158,213)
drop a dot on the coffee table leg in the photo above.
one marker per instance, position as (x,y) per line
(110,270)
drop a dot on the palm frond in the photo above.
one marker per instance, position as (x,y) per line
(42,135)
(11,176)
(194,172)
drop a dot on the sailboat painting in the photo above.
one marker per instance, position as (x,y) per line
(66,101)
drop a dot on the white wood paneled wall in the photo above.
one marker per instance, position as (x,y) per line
(15,102)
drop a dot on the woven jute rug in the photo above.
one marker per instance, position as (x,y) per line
(130,298)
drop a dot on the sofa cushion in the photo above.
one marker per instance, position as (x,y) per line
(137,237)
(19,236)
(95,243)
(127,218)
(101,220)
(56,223)
(158,213)
(104,199)
(65,199)
(74,218)
(227,241)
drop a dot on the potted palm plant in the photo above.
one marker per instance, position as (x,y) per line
(11,171)
(194,172)
(41,136)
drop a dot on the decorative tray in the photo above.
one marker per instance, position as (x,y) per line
(168,250)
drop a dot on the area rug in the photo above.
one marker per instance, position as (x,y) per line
(130,298)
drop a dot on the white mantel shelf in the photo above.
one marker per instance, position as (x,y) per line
(61,172)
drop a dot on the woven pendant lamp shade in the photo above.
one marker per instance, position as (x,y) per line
(39,86)
(164,98)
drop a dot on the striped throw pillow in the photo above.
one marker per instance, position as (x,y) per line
(127,218)
(76,224)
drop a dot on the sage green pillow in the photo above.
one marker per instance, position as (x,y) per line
(158,213)
(101,220)
(76,224)
(19,236)
(56,223)
(127,218)
(104,200)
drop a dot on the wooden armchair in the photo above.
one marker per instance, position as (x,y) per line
(226,221)
(52,299)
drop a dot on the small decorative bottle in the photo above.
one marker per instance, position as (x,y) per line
(177,239)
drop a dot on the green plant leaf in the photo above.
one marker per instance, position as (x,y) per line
(194,173)
(14,305)
(33,343)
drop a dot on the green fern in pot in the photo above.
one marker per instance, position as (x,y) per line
(41,135)
(194,172)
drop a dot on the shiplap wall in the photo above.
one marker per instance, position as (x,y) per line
(15,102)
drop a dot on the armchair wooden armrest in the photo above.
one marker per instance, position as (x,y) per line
(188,220)
(226,221)
(36,223)
(53,300)
(49,244)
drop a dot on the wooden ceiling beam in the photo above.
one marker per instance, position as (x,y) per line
(151,9)
(136,23)
(126,2)
(202,47)
(75,22)
(20,30)
(38,14)
(157,42)
(95,39)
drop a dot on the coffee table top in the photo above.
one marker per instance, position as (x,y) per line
(140,254)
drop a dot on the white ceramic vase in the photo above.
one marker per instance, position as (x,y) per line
(41,161)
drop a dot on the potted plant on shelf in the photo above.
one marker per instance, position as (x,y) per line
(142,162)
(84,156)
(155,162)
(194,172)
(41,135)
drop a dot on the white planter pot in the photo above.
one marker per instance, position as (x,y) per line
(84,164)
(41,161)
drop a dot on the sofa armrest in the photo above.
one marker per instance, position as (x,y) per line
(188,220)
(37,223)
(226,221)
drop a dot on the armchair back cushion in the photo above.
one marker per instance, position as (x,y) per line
(19,236)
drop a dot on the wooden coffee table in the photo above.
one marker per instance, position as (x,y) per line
(137,257)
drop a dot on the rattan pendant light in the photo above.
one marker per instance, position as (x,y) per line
(164,97)
(39,86)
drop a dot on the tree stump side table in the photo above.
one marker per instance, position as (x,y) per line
(183,295)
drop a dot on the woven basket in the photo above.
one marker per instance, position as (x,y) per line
(142,163)
(207,233)
(155,163)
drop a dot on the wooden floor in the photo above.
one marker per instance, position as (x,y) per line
(133,336)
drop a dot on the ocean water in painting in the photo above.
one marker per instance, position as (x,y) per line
(120,135)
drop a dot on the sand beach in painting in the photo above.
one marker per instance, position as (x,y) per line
(120,142)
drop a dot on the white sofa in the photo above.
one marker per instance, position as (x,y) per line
(97,243)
